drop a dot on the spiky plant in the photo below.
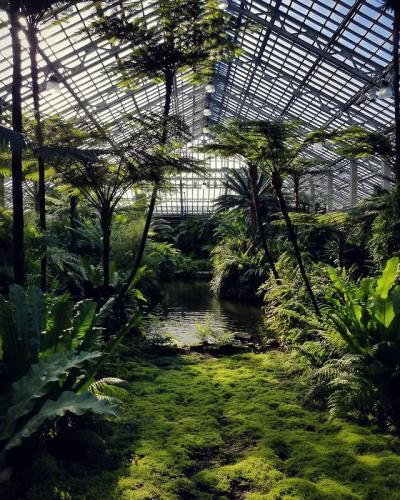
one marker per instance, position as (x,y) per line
(250,196)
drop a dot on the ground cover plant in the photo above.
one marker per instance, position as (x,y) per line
(232,427)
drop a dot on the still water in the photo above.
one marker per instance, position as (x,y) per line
(190,303)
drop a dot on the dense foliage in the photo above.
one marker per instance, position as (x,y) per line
(82,260)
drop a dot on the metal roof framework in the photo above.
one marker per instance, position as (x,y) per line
(310,59)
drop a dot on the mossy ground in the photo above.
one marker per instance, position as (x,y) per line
(227,428)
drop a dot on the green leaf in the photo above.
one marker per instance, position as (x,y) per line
(83,321)
(387,280)
(56,337)
(26,391)
(77,404)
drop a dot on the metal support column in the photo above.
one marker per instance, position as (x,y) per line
(181,196)
(386,175)
(329,192)
(353,184)
(312,195)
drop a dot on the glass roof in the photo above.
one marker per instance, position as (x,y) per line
(310,59)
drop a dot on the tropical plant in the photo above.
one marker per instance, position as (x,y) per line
(157,156)
(238,268)
(250,193)
(326,236)
(188,35)
(35,12)
(365,379)
(276,147)
(209,333)
(51,352)
(376,224)
(297,171)
(288,311)
(101,180)
(194,235)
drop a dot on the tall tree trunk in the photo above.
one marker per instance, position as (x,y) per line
(169,84)
(256,204)
(105,222)
(33,52)
(16,162)
(341,244)
(73,204)
(2,179)
(396,90)
(277,185)
(2,192)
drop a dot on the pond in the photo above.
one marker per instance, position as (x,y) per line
(188,304)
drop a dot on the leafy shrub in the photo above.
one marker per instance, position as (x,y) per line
(377,226)
(287,306)
(237,272)
(211,334)
(51,352)
(362,377)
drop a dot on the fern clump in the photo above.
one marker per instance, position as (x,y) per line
(361,377)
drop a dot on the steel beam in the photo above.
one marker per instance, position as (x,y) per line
(353,184)
(329,192)
(296,40)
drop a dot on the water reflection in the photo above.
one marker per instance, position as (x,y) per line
(189,303)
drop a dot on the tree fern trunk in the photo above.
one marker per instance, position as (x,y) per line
(169,83)
(277,185)
(256,203)
(33,52)
(73,203)
(396,90)
(105,222)
(16,162)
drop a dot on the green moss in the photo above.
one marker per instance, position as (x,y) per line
(220,428)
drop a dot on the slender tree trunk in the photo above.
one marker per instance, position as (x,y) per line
(105,222)
(169,84)
(16,162)
(277,185)
(396,91)
(340,252)
(73,203)
(2,192)
(256,204)
(2,179)
(33,52)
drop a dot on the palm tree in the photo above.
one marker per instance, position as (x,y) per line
(249,193)
(274,146)
(188,34)
(230,142)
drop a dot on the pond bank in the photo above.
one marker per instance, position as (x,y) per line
(199,427)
